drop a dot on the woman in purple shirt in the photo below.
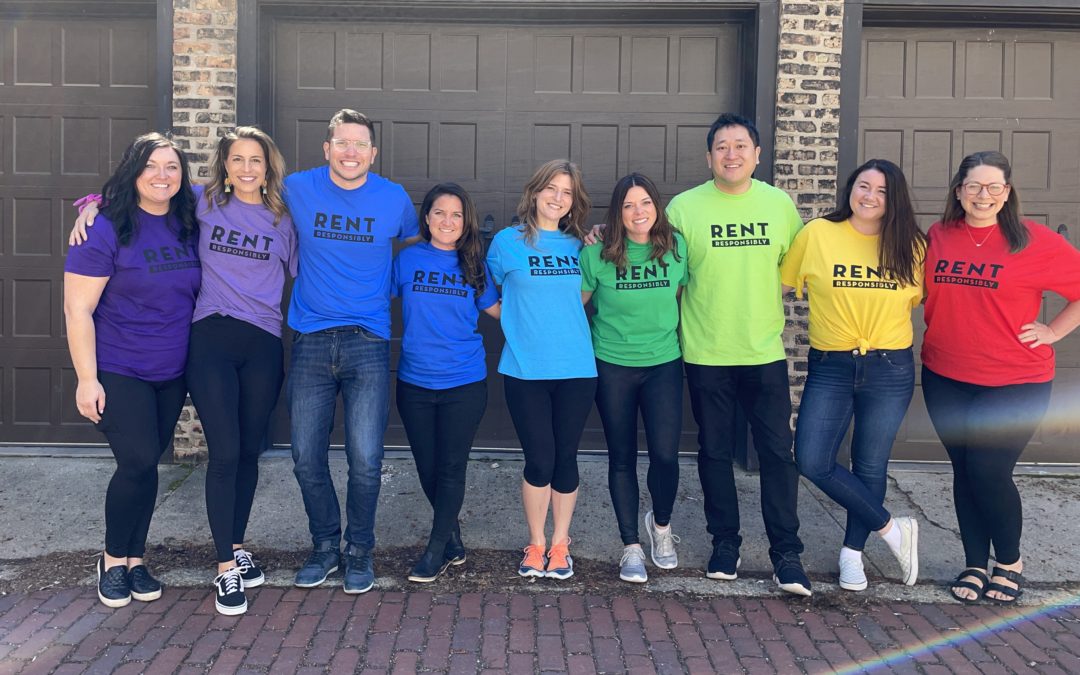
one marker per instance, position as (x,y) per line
(129,294)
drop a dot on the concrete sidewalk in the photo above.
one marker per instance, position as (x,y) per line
(55,504)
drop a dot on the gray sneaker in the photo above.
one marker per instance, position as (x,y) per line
(908,553)
(632,565)
(661,545)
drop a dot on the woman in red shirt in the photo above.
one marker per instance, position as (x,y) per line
(987,362)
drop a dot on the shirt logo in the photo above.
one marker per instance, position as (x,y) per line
(740,234)
(235,242)
(553,265)
(440,283)
(962,273)
(860,276)
(170,258)
(344,228)
(636,277)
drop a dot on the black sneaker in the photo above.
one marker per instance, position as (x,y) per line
(724,562)
(455,549)
(428,568)
(143,586)
(112,585)
(249,571)
(229,598)
(788,573)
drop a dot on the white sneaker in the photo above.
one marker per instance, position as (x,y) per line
(661,545)
(852,574)
(908,553)
(632,565)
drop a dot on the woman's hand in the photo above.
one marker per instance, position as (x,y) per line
(1038,334)
(90,400)
(86,219)
(594,235)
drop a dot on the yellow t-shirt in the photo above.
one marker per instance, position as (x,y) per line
(852,305)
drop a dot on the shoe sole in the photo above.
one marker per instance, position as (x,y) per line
(457,561)
(358,591)
(794,589)
(634,580)
(319,582)
(427,580)
(561,576)
(649,525)
(724,576)
(848,586)
(230,611)
(913,555)
(531,572)
(258,581)
(146,597)
(114,603)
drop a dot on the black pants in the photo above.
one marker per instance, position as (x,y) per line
(234,374)
(549,417)
(441,425)
(764,394)
(984,430)
(139,422)
(657,391)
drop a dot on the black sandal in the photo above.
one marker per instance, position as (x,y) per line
(961,582)
(1011,594)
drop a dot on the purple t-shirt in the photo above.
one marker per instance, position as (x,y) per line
(143,318)
(242,253)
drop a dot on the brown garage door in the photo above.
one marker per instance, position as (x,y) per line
(72,96)
(484,105)
(930,96)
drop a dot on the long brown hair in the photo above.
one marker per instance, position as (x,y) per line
(275,170)
(902,244)
(1009,218)
(470,245)
(661,235)
(573,223)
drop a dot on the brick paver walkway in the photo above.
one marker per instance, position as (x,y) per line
(324,630)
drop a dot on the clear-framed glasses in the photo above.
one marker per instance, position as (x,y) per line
(343,144)
(974,189)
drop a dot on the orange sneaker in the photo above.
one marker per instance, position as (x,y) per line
(560,564)
(532,565)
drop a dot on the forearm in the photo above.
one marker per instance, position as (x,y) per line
(82,344)
(1067,320)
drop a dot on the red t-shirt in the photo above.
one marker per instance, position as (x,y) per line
(977,297)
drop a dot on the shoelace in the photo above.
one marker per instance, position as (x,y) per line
(633,554)
(788,560)
(318,557)
(243,560)
(665,541)
(230,580)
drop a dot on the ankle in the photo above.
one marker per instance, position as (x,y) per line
(223,567)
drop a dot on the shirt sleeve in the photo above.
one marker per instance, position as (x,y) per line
(410,223)
(1064,270)
(794,222)
(791,267)
(490,295)
(680,248)
(395,276)
(292,250)
(96,257)
(494,260)
(588,276)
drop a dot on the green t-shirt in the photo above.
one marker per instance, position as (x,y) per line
(637,313)
(733,310)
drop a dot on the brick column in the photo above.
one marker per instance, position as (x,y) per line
(204,106)
(807,133)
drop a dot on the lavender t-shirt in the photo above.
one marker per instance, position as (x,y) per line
(242,253)
(143,318)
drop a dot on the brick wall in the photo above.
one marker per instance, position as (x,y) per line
(807,134)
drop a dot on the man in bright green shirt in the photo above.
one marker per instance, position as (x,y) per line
(737,230)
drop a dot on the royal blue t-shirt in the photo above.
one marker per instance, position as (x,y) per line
(440,347)
(547,334)
(345,240)
(143,318)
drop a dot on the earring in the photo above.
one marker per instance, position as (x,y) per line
(264,188)
(228,186)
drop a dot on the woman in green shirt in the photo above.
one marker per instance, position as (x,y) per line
(633,278)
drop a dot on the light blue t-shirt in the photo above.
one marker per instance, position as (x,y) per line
(547,334)
(345,249)
(440,347)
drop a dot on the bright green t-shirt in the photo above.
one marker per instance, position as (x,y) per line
(733,309)
(637,314)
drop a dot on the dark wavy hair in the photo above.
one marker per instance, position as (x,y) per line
(902,244)
(120,197)
(573,223)
(1009,218)
(661,235)
(470,245)
(275,170)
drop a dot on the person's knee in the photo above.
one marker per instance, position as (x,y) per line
(565,478)
(537,474)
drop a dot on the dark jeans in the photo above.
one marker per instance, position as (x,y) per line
(234,374)
(441,425)
(984,430)
(549,417)
(354,362)
(657,391)
(875,389)
(764,394)
(139,422)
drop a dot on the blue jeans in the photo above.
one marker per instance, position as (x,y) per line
(355,362)
(875,389)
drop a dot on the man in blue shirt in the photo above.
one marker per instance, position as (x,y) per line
(346,219)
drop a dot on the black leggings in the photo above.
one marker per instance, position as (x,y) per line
(441,425)
(139,422)
(549,417)
(658,392)
(234,374)
(984,430)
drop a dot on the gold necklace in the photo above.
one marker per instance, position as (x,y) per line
(978,244)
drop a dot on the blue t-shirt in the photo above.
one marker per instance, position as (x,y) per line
(345,240)
(440,347)
(547,334)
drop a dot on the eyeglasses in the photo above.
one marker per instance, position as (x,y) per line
(343,144)
(974,189)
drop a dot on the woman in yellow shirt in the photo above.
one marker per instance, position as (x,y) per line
(862,266)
